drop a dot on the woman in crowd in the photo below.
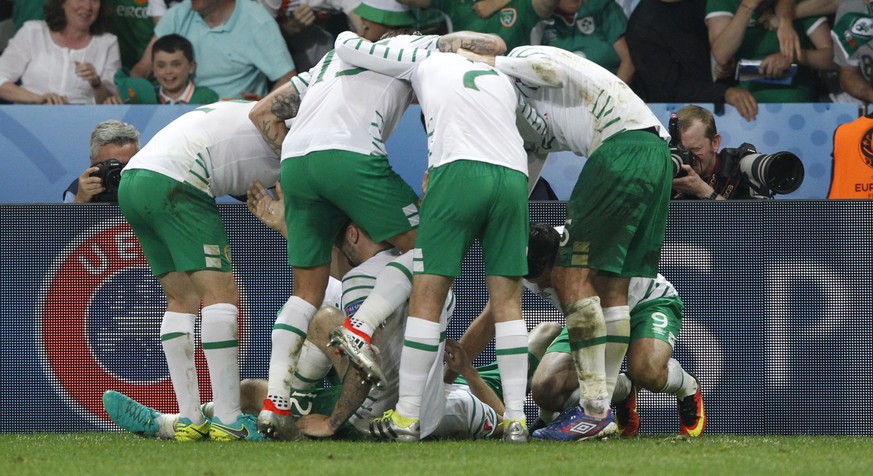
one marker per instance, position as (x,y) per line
(68,58)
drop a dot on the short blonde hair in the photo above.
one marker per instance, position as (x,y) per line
(688,114)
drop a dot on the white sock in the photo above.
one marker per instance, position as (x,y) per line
(220,341)
(623,387)
(177,340)
(289,333)
(312,366)
(587,332)
(510,346)
(167,426)
(617,321)
(679,382)
(392,289)
(421,344)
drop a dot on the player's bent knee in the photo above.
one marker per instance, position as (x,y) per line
(647,376)
(546,393)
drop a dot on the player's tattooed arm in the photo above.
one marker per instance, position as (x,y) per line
(270,113)
(285,106)
(352,396)
(481,43)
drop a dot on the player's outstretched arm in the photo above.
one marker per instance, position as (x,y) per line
(479,43)
(533,67)
(458,361)
(475,338)
(400,63)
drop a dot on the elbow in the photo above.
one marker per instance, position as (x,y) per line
(550,74)
(255,115)
(722,61)
(498,45)
(6,91)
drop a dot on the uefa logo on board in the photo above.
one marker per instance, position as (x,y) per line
(100,325)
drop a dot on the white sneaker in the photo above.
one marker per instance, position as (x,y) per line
(515,431)
(361,354)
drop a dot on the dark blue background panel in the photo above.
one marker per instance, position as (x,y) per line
(778,323)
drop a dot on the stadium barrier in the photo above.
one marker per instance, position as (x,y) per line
(778,323)
(46,147)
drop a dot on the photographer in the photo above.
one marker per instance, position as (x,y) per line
(111,140)
(707,173)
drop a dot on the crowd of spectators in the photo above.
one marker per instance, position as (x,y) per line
(678,51)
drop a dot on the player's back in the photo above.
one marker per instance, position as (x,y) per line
(469,111)
(215,148)
(593,105)
(346,108)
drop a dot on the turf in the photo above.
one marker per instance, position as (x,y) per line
(124,454)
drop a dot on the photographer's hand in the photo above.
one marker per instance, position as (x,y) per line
(89,186)
(693,184)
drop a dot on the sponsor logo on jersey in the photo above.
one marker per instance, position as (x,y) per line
(130,11)
(352,307)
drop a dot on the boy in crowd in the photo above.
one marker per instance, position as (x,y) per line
(173,66)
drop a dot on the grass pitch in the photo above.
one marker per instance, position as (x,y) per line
(125,454)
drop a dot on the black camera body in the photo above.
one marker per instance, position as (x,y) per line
(680,155)
(109,172)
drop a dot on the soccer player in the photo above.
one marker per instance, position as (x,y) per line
(470,115)
(335,169)
(616,215)
(457,411)
(326,411)
(655,319)
(167,194)
(485,380)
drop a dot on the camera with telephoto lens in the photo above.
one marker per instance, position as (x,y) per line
(109,172)
(768,174)
(680,155)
